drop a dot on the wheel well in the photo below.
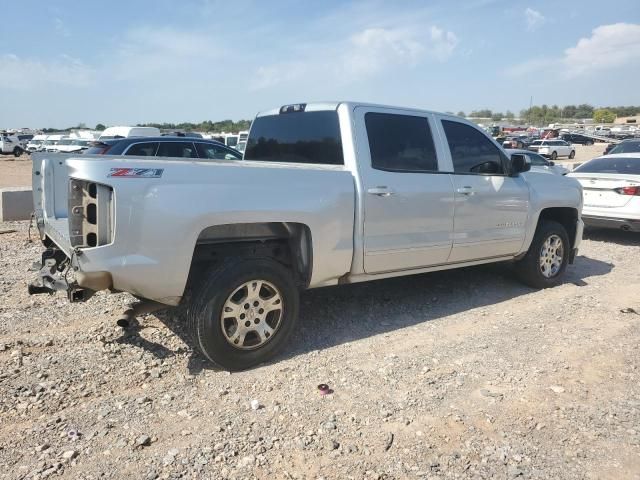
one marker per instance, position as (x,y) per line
(288,243)
(566,216)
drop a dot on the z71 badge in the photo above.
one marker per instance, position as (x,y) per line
(136,172)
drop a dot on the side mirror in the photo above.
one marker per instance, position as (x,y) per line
(551,163)
(519,163)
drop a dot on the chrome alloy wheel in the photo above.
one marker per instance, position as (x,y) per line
(252,314)
(551,256)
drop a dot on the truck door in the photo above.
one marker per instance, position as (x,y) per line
(407,200)
(491,207)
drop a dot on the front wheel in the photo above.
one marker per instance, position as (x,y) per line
(572,154)
(554,155)
(547,257)
(244,313)
(17,152)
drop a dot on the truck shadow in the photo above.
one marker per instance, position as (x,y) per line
(614,236)
(332,316)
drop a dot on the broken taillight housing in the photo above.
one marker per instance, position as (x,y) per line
(90,213)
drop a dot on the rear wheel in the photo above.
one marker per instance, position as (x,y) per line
(17,152)
(244,313)
(572,154)
(547,257)
(554,155)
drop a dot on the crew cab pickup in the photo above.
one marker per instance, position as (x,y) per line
(326,194)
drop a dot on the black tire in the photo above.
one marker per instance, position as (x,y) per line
(572,154)
(554,155)
(205,311)
(589,144)
(17,152)
(528,268)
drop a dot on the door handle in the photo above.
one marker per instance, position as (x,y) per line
(466,190)
(381,191)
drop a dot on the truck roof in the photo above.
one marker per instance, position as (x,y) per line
(333,105)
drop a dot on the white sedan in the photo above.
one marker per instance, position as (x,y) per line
(611,190)
(553,148)
(539,163)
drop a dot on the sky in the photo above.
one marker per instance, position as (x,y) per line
(65,62)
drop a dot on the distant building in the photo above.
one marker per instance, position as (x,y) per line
(634,120)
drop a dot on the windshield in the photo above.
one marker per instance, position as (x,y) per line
(537,142)
(49,142)
(626,147)
(66,141)
(624,165)
(36,142)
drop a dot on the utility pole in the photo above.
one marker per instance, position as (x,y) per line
(530,106)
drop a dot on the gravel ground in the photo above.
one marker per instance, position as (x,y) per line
(460,374)
(17,172)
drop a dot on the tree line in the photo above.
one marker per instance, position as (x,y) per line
(206,126)
(536,115)
(544,114)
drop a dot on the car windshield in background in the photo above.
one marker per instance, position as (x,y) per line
(626,147)
(624,165)
(537,142)
(309,137)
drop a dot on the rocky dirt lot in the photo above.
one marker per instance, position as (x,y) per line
(461,374)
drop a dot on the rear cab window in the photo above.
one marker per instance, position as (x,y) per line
(296,137)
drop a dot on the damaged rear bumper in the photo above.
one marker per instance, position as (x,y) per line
(52,276)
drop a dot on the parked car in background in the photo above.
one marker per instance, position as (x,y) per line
(241,146)
(35,144)
(609,147)
(553,148)
(24,139)
(232,140)
(519,142)
(61,145)
(611,189)
(626,146)
(10,144)
(181,147)
(329,194)
(577,138)
(74,145)
(540,163)
(127,132)
(50,143)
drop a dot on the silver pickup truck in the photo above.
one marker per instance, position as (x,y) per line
(327,194)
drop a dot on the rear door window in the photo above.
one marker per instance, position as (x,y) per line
(472,151)
(400,143)
(216,152)
(143,149)
(297,137)
(177,149)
